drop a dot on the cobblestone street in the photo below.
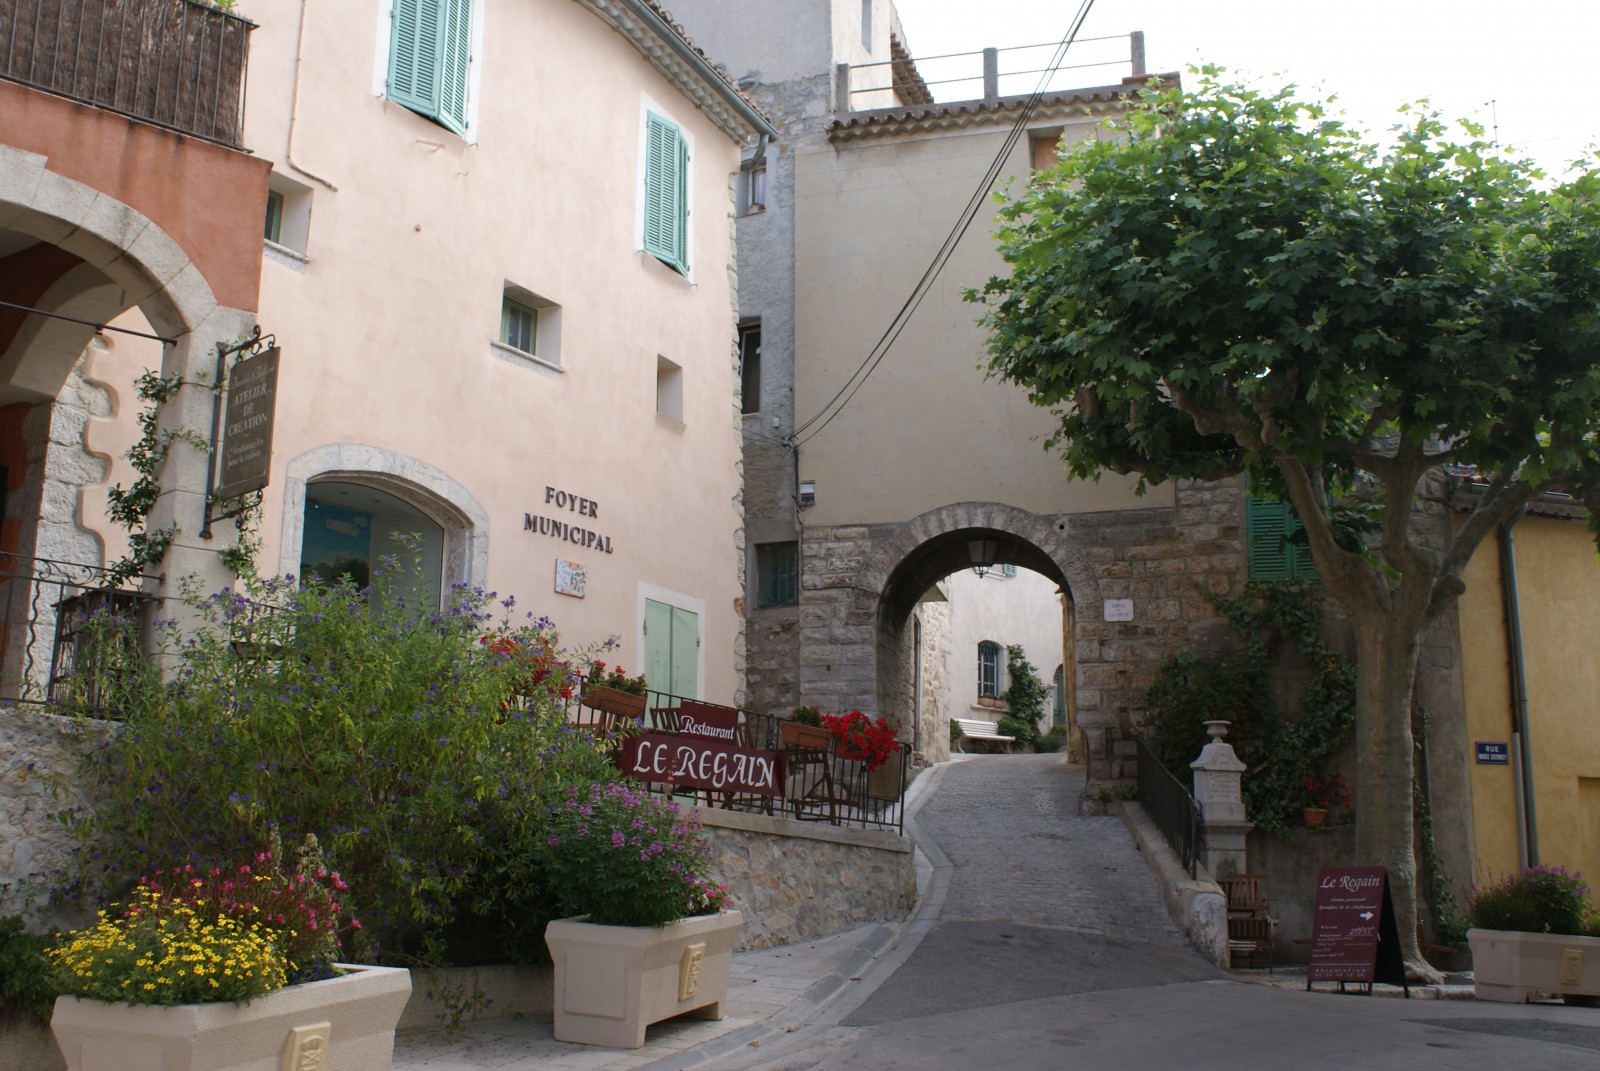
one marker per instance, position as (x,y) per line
(1021,853)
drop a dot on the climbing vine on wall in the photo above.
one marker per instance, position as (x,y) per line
(131,507)
(1282,747)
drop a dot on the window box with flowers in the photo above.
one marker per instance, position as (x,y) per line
(216,970)
(650,935)
(613,692)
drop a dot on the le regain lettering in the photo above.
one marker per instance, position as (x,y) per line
(563,530)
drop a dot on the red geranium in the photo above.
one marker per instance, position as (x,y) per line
(862,738)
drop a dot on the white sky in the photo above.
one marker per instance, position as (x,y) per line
(1534,58)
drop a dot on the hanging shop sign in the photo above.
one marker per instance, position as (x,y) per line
(246,461)
(565,529)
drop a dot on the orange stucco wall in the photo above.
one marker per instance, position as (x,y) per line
(207,198)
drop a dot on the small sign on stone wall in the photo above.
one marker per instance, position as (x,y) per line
(1119,610)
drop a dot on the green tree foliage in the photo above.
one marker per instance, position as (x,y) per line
(1237,281)
(1024,696)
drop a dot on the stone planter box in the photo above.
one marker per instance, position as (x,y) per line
(345,1022)
(614,981)
(1512,966)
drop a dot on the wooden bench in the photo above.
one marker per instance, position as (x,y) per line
(984,732)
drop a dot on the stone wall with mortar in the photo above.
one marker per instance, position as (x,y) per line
(1162,559)
(795,881)
(40,775)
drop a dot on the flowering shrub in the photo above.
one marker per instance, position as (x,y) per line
(1333,792)
(859,737)
(1542,899)
(423,758)
(627,858)
(533,662)
(616,677)
(165,951)
(301,906)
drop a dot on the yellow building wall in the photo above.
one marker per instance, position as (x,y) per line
(1558,581)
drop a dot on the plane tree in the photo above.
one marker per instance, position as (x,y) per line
(1234,280)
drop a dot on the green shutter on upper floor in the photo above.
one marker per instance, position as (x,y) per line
(1274,555)
(455,52)
(430,51)
(666,168)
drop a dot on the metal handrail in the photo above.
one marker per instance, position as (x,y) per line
(1171,807)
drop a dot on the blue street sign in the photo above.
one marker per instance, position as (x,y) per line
(1493,754)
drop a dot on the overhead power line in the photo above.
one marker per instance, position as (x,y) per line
(835,405)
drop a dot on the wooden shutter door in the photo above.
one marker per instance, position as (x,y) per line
(455,54)
(414,55)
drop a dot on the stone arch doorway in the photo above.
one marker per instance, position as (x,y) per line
(76,253)
(862,648)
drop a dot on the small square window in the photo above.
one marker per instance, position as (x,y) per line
(669,389)
(750,368)
(274,227)
(777,574)
(753,187)
(530,330)
(519,325)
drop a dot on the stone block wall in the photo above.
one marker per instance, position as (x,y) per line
(796,881)
(40,769)
(1163,559)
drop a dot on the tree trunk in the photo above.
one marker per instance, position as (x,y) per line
(1386,657)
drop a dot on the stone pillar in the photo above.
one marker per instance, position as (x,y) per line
(1216,786)
(183,476)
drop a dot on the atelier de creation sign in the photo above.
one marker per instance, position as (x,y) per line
(247,428)
(563,530)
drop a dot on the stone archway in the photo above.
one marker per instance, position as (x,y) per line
(859,583)
(73,245)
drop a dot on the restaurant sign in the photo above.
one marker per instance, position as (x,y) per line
(699,762)
(246,460)
(1353,933)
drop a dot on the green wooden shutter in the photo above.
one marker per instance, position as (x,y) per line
(685,653)
(1269,528)
(665,169)
(414,55)
(455,54)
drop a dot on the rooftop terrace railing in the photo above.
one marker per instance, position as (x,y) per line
(178,64)
(987,75)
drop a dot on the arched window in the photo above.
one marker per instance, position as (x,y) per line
(349,527)
(988,669)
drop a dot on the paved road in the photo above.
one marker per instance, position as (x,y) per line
(1046,945)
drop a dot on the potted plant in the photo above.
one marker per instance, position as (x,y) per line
(614,692)
(1321,796)
(211,969)
(1534,933)
(650,936)
(871,742)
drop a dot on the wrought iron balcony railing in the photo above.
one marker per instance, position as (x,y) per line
(178,64)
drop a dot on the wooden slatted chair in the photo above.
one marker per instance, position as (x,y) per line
(807,752)
(1250,923)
